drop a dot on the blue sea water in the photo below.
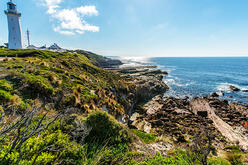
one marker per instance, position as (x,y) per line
(202,76)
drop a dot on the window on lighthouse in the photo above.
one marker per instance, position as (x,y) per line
(10,7)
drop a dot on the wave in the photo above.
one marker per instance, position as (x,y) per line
(174,93)
(225,87)
(175,81)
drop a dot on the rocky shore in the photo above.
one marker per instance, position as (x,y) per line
(182,120)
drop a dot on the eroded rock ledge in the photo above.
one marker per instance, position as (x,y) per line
(148,81)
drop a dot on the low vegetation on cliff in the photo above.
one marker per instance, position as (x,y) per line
(63,80)
(62,108)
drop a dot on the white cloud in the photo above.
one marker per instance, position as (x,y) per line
(87,10)
(52,5)
(65,32)
(70,21)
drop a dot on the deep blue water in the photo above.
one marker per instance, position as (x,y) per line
(202,76)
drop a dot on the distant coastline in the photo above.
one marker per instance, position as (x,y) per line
(182,85)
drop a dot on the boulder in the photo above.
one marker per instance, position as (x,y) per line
(202,113)
(214,94)
(157,123)
(233,88)
(150,88)
(134,116)
(245,90)
(142,125)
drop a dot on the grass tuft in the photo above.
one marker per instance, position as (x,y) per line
(145,137)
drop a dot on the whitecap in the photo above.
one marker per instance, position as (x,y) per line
(190,83)
(169,81)
(225,87)
(173,82)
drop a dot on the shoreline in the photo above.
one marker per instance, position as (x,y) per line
(228,95)
(159,112)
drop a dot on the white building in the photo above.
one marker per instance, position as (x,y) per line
(15,32)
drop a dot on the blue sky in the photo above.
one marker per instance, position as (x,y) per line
(137,27)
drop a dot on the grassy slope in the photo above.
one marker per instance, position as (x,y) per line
(64,79)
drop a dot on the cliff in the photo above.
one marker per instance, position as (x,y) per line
(67,108)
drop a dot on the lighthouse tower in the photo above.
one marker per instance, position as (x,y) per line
(15,32)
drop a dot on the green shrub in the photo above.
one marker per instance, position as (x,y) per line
(234,158)
(39,146)
(218,161)
(38,83)
(177,158)
(145,137)
(51,146)
(235,155)
(118,155)
(106,130)
(5,85)
(5,96)
(233,148)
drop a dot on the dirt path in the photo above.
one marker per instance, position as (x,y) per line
(225,129)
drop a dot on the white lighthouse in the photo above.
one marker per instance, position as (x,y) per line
(15,32)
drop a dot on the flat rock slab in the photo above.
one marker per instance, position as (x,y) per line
(226,130)
(153,106)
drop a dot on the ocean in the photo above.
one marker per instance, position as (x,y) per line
(201,76)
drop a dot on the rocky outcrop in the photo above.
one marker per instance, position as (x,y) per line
(152,149)
(173,117)
(109,63)
(232,113)
(149,81)
(232,134)
(182,119)
(233,88)
(214,94)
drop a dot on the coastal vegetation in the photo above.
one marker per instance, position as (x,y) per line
(63,108)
